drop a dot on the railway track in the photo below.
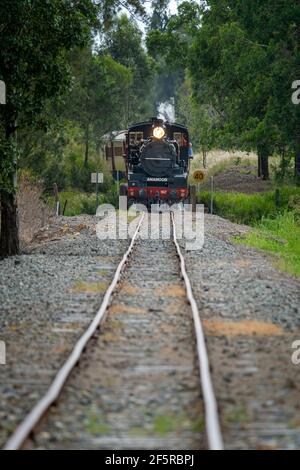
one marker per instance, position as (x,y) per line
(196,399)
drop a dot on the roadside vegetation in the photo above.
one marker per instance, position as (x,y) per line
(271,208)
(275,221)
(279,236)
(250,209)
(229,66)
(78,202)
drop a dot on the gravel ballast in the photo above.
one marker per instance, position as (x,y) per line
(250,312)
(251,316)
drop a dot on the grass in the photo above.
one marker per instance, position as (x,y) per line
(164,424)
(84,203)
(219,167)
(220,158)
(77,202)
(249,208)
(237,415)
(279,236)
(96,425)
(276,228)
(223,166)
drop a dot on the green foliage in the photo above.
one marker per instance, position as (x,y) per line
(248,208)
(35,38)
(79,202)
(124,43)
(99,95)
(173,43)
(160,15)
(281,237)
(201,120)
(242,58)
(57,156)
(92,99)
(168,42)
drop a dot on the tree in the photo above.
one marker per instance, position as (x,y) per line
(160,15)
(124,43)
(98,94)
(36,37)
(168,43)
(242,58)
(202,121)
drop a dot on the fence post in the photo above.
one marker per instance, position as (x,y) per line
(211,194)
(56,195)
(65,205)
(97,190)
(277,198)
(193,198)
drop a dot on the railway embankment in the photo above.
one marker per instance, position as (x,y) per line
(250,312)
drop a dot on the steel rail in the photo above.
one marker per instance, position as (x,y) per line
(213,429)
(27,426)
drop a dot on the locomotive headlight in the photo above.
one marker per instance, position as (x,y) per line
(158,132)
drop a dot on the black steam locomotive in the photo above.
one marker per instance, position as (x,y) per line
(157,161)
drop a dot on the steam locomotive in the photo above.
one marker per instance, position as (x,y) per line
(157,158)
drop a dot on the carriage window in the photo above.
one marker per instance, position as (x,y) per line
(178,137)
(136,137)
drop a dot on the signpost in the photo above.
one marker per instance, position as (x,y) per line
(97,178)
(2,92)
(199,176)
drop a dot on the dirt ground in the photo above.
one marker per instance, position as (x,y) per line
(241,179)
(233,171)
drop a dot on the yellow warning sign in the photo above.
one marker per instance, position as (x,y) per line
(199,176)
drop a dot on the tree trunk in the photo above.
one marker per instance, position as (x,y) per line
(263,157)
(113,162)
(9,240)
(258,166)
(204,157)
(265,167)
(9,224)
(86,141)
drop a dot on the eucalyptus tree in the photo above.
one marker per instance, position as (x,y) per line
(124,43)
(36,37)
(242,58)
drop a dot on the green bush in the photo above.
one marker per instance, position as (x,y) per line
(85,203)
(249,208)
(279,235)
(77,202)
(79,176)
